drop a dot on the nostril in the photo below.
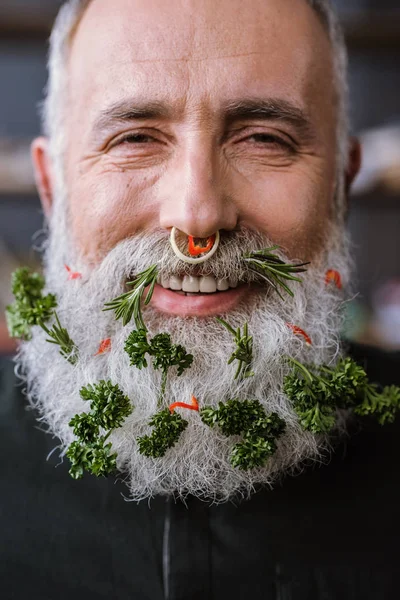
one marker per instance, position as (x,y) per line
(193,250)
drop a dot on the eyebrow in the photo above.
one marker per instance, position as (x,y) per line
(127,111)
(270,109)
(246,109)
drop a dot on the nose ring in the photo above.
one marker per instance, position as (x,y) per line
(193,250)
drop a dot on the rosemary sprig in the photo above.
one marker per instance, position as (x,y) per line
(274,270)
(244,350)
(31,307)
(109,409)
(128,305)
(247,418)
(60,336)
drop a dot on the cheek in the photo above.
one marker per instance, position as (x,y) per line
(292,209)
(107,210)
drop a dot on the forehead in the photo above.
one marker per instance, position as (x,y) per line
(198,52)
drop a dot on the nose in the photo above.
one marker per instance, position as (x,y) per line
(196,198)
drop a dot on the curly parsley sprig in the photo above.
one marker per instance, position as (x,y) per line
(244,350)
(318,391)
(247,418)
(383,405)
(167,431)
(128,305)
(274,270)
(95,458)
(31,307)
(168,426)
(164,353)
(109,409)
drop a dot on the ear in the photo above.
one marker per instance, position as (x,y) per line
(43,173)
(353,163)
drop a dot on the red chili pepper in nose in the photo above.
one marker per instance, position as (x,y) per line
(298,331)
(194,405)
(334,276)
(196,250)
(72,274)
(105,346)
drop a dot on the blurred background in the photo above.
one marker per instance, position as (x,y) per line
(373,33)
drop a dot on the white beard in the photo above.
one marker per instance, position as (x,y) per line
(199,462)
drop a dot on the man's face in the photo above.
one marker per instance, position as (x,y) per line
(205,116)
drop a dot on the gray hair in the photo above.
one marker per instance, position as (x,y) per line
(68,20)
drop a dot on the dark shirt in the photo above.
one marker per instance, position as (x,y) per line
(330,533)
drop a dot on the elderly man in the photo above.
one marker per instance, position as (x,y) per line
(194,175)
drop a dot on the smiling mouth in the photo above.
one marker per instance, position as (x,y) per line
(194,286)
(200,296)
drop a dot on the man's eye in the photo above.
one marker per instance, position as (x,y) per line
(268,139)
(136,145)
(137,138)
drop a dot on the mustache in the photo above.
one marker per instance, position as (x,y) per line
(132,256)
(141,252)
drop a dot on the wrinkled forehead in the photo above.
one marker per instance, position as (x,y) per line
(203,51)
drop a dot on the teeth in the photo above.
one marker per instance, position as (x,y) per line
(194,285)
(190,284)
(175,283)
(208,285)
(222,285)
(165,282)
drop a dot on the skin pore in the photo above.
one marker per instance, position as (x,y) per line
(205,116)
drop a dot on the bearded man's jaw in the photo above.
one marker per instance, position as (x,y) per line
(199,463)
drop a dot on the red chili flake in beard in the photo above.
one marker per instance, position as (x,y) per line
(72,274)
(298,331)
(194,405)
(105,346)
(333,276)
